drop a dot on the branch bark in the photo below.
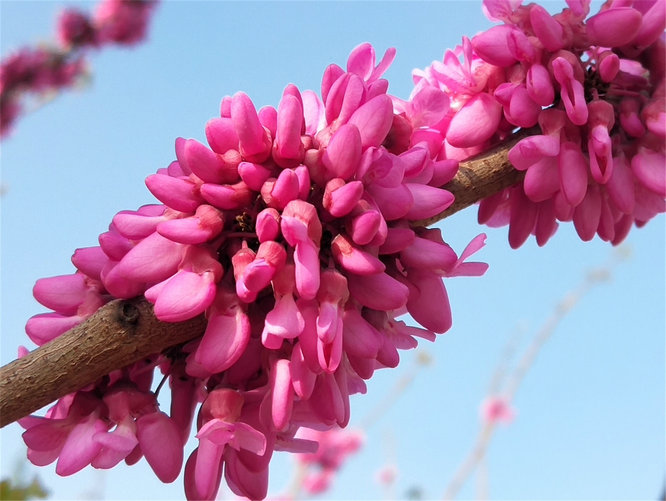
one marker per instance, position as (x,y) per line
(118,334)
(125,331)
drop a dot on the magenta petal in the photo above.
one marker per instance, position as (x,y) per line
(283,396)
(549,32)
(532,149)
(540,85)
(243,481)
(362,60)
(134,225)
(343,153)
(289,125)
(360,339)
(542,180)
(205,478)
(160,442)
(340,198)
(205,225)
(353,259)
(373,120)
(184,296)
(227,196)
(430,307)
(90,261)
(522,219)
(475,122)
(151,260)
(573,173)
(587,215)
(379,292)
(45,327)
(80,448)
(254,175)
(224,341)
(492,46)
(63,293)
(254,144)
(306,260)
(428,201)
(221,135)
(650,169)
(177,193)
(427,254)
(571,91)
(621,186)
(284,321)
(614,27)
(303,379)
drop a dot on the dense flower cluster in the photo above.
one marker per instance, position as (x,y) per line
(47,69)
(594,88)
(292,231)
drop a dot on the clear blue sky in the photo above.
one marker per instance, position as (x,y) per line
(590,419)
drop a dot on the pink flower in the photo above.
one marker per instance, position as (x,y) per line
(292,233)
(496,410)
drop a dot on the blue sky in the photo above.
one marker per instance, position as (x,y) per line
(590,421)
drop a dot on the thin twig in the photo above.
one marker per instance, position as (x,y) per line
(482,442)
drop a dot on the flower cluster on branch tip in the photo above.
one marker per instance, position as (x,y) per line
(47,69)
(292,230)
(594,87)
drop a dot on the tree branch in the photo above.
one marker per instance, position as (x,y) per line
(125,331)
(118,334)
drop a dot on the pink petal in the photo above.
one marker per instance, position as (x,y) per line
(573,173)
(354,259)
(306,260)
(373,120)
(475,122)
(614,27)
(428,201)
(549,32)
(282,399)
(587,215)
(184,296)
(379,292)
(430,307)
(492,46)
(343,153)
(542,180)
(621,186)
(254,143)
(80,448)
(650,169)
(226,337)
(63,293)
(221,135)
(45,327)
(177,193)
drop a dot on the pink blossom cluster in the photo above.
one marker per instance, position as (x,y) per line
(48,69)
(335,446)
(292,231)
(593,89)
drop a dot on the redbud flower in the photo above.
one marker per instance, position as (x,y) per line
(291,231)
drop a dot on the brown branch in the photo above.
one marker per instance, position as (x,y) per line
(123,332)
(118,334)
(482,176)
